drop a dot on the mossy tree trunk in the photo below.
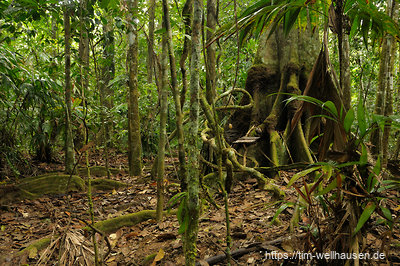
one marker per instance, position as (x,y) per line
(187,20)
(150,57)
(69,144)
(282,65)
(163,128)
(175,92)
(134,140)
(106,94)
(211,78)
(193,204)
(384,100)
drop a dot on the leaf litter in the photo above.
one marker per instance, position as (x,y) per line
(149,243)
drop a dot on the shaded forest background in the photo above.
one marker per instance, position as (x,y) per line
(299,97)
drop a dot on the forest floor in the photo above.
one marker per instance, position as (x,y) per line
(250,208)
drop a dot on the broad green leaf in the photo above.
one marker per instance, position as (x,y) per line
(183,217)
(364,155)
(387,213)
(331,185)
(348,4)
(181,211)
(281,209)
(365,30)
(184,225)
(348,120)
(369,209)
(289,20)
(372,180)
(305,99)
(325,116)
(104,4)
(301,174)
(160,31)
(176,198)
(331,108)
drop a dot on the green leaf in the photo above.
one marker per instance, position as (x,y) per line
(331,185)
(181,211)
(176,198)
(387,213)
(305,99)
(184,222)
(301,174)
(160,31)
(281,209)
(104,4)
(369,209)
(364,155)
(331,108)
(348,4)
(348,120)
(289,20)
(372,180)
(365,30)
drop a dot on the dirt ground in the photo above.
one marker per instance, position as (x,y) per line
(251,211)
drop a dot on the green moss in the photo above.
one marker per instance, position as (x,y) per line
(38,245)
(113,224)
(52,184)
(97,171)
(106,184)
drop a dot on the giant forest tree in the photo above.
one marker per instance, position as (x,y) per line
(198,132)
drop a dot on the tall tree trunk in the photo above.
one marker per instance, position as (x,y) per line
(163,128)
(106,94)
(175,92)
(211,80)
(384,100)
(187,19)
(150,56)
(134,140)
(69,144)
(282,65)
(193,204)
(344,52)
(345,74)
(388,110)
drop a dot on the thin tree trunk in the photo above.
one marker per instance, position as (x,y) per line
(106,94)
(175,92)
(383,91)
(69,144)
(134,140)
(211,79)
(187,19)
(193,204)
(388,110)
(150,57)
(163,128)
(345,75)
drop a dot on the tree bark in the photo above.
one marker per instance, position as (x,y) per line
(69,144)
(163,128)
(175,92)
(193,204)
(282,65)
(187,19)
(106,94)
(134,139)
(150,56)
(384,99)
(211,79)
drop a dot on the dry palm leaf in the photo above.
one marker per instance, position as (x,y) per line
(75,249)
